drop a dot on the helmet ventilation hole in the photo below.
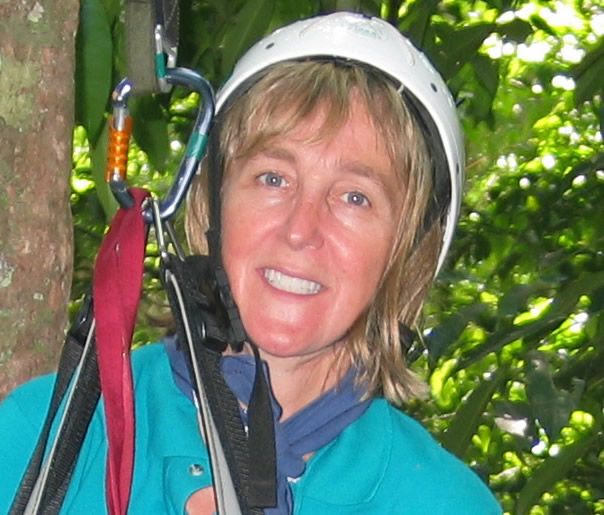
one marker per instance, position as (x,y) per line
(433,86)
(269,46)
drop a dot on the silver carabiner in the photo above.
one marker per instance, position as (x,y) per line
(164,231)
(121,129)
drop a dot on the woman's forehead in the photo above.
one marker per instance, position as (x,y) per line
(309,124)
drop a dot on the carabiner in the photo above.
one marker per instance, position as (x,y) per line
(196,145)
(164,232)
(121,129)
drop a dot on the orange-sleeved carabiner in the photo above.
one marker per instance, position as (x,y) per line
(120,131)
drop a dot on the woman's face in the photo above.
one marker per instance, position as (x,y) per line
(307,232)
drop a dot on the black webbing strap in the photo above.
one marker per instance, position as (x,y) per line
(70,438)
(261,451)
(261,437)
(251,458)
(86,394)
(67,364)
(206,329)
(196,302)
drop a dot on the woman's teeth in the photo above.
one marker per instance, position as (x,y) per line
(290,284)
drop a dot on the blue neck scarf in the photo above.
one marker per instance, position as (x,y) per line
(311,428)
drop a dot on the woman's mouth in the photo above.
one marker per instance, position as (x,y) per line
(289,284)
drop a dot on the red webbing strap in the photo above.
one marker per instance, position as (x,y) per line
(116,290)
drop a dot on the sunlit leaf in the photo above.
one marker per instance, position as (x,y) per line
(549,473)
(516,298)
(441,375)
(443,336)
(561,307)
(458,435)
(541,24)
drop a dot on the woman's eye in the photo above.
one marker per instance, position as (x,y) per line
(272,179)
(356,199)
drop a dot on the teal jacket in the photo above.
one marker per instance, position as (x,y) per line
(383,463)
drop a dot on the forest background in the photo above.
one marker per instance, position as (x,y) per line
(512,341)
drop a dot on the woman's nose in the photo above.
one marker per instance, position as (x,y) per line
(303,228)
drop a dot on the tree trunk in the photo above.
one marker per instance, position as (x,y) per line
(37,58)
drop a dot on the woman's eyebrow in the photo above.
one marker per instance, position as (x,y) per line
(279,153)
(363,170)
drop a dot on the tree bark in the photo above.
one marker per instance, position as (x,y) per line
(37,56)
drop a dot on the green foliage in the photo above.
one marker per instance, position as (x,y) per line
(247,26)
(514,329)
(151,129)
(466,421)
(94,47)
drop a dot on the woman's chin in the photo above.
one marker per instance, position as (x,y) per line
(288,350)
(280,348)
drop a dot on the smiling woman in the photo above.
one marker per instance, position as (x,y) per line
(327,133)
(333,220)
(304,235)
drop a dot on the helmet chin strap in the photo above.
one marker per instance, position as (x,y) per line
(237,336)
(261,431)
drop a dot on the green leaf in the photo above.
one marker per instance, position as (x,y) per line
(416,24)
(248,26)
(515,299)
(550,406)
(567,299)
(588,75)
(93,67)
(150,129)
(550,472)
(487,73)
(459,434)
(501,5)
(517,30)
(113,8)
(460,46)
(441,384)
(445,334)
(561,307)
(541,24)
(328,6)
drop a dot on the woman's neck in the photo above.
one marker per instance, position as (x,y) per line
(299,380)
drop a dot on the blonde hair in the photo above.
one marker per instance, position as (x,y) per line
(277,102)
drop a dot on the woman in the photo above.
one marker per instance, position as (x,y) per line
(337,157)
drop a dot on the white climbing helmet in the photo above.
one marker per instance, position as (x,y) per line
(376,43)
